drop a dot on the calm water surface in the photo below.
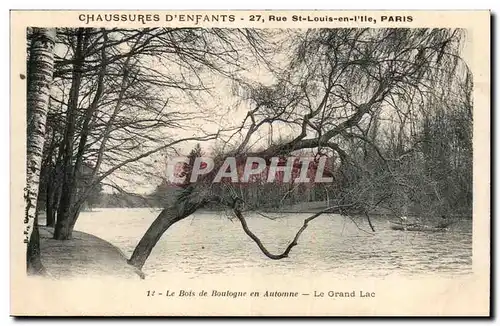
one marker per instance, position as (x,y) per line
(211,243)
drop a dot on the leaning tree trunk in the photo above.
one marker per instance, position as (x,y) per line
(143,249)
(73,217)
(40,70)
(168,216)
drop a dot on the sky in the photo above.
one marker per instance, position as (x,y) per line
(227,111)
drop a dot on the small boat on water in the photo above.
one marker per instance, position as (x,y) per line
(418,227)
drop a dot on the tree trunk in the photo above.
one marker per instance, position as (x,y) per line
(143,249)
(63,224)
(50,219)
(75,213)
(62,230)
(40,70)
(70,204)
(50,215)
(50,183)
(168,216)
(33,261)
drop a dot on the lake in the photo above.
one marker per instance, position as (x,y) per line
(211,243)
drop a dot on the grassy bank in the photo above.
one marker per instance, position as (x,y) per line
(84,255)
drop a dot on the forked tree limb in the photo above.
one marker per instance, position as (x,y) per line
(294,242)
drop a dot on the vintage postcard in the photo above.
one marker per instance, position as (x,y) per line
(250,163)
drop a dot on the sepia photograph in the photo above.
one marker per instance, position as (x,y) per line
(159,152)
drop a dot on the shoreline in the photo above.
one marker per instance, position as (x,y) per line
(85,255)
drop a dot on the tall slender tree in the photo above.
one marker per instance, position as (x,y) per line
(40,70)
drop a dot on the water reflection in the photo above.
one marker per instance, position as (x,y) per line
(209,243)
